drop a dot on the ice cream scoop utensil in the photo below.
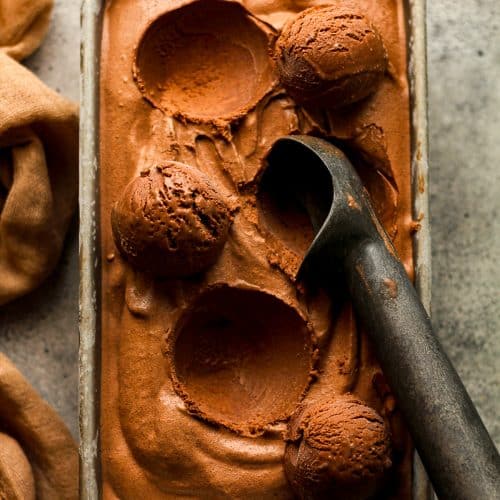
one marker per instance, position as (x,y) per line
(351,247)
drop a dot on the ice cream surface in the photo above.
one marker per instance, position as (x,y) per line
(171,221)
(337,448)
(206,356)
(330,56)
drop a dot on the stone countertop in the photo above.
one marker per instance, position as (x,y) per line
(40,332)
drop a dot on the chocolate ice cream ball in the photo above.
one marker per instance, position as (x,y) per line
(330,56)
(171,221)
(337,448)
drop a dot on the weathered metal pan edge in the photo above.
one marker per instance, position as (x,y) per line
(91,17)
(89,251)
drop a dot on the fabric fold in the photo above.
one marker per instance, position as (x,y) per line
(23,25)
(38,456)
(38,177)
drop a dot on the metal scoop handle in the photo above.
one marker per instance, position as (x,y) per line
(456,449)
(350,245)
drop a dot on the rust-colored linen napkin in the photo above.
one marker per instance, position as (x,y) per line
(38,177)
(23,24)
(38,456)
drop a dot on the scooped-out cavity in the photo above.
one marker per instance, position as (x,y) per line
(241,358)
(283,211)
(205,61)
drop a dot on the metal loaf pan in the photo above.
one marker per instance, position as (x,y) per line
(91,24)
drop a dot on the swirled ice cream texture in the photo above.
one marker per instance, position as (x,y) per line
(162,434)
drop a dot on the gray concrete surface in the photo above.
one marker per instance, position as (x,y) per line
(39,332)
(464,111)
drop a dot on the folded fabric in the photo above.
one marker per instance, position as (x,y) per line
(38,177)
(38,456)
(23,24)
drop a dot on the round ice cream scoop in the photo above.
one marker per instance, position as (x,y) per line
(171,221)
(330,56)
(351,247)
(337,448)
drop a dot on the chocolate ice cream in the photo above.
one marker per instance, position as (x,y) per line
(330,56)
(337,448)
(171,221)
(200,375)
